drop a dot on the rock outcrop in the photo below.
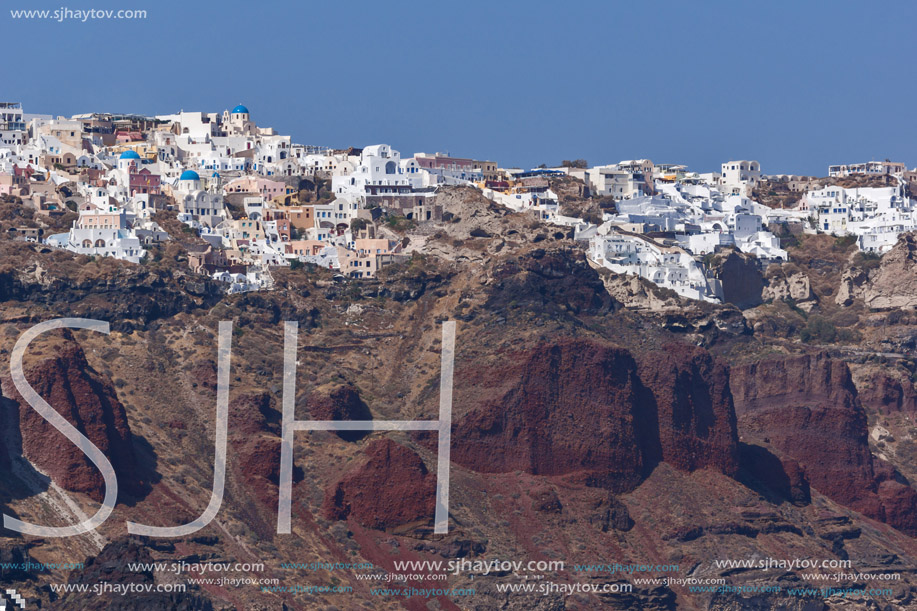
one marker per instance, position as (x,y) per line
(391,488)
(128,295)
(794,286)
(806,408)
(881,392)
(340,403)
(87,400)
(637,293)
(782,477)
(851,288)
(591,411)
(741,277)
(555,282)
(894,283)
(688,393)
(115,565)
(254,442)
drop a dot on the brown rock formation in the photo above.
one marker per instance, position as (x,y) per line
(695,420)
(883,393)
(851,287)
(638,293)
(391,488)
(741,277)
(254,449)
(894,283)
(586,408)
(806,408)
(88,401)
(782,477)
(795,286)
(341,403)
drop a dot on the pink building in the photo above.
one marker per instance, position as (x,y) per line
(14,184)
(444,162)
(145,181)
(304,247)
(268,189)
(123,137)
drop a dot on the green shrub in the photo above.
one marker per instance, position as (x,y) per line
(818,329)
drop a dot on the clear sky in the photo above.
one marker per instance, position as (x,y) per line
(796,85)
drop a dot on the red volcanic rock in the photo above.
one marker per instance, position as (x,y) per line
(814,380)
(806,407)
(587,408)
(88,401)
(782,476)
(254,446)
(342,403)
(553,410)
(689,393)
(391,488)
(899,502)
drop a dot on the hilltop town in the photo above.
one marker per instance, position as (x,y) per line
(249,200)
(651,362)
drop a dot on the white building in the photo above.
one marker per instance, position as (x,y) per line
(611,180)
(739,177)
(101,232)
(192,199)
(12,125)
(871,168)
(666,266)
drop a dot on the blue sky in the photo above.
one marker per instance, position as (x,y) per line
(795,85)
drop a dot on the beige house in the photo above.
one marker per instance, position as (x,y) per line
(368,257)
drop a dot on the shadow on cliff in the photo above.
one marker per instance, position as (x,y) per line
(147,474)
(18,478)
(778,481)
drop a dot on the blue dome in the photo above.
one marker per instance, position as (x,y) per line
(215,175)
(189,175)
(239,109)
(129,155)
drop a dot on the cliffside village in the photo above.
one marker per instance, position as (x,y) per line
(239,187)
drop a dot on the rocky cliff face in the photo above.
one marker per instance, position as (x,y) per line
(88,401)
(894,283)
(593,412)
(793,286)
(556,282)
(635,292)
(391,488)
(254,456)
(741,277)
(806,408)
(130,296)
(111,566)
(881,392)
(581,431)
(851,286)
(688,393)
